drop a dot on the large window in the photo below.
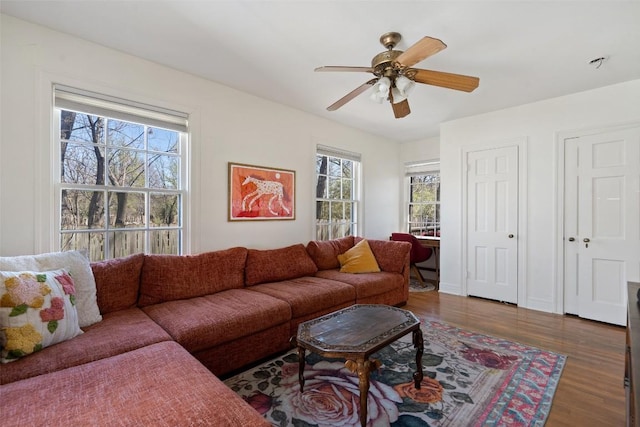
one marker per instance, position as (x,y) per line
(337,185)
(121,183)
(424,199)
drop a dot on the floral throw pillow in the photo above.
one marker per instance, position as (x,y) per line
(36,310)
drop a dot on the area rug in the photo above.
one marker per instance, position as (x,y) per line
(415,286)
(470,380)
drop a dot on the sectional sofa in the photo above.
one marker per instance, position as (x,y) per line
(170,325)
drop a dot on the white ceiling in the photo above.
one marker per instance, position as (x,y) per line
(521,51)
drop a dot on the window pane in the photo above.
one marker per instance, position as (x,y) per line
(124,243)
(126,168)
(337,211)
(334,167)
(321,187)
(163,171)
(164,210)
(93,243)
(347,168)
(346,189)
(322,211)
(321,165)
(126,210)
(81,209)
(166,141)
(164,241)
(334,188)
(80,164)
(125,134)
(82,127)
(322,231)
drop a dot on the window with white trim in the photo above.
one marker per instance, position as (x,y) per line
(121,175)
(337,193)
(423,207)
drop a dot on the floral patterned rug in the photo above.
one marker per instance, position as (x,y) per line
(470,380)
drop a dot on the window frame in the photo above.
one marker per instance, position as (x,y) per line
(147,192)
(416,169)
(333,227)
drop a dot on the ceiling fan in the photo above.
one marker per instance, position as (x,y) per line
(395,77)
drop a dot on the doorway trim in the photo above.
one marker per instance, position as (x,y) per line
(521,144)
(560,142)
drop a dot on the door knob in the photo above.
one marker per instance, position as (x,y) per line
(511,236)
(586,240)
(571,239)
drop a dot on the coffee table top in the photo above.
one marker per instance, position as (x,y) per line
(358,330)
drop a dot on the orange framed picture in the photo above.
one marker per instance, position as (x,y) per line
(261,193)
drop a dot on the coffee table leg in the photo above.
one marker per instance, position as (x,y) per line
(301,368)
(418,343)
(364,369)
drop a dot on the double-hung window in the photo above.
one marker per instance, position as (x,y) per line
(423,185)
(121,187)
(337,193)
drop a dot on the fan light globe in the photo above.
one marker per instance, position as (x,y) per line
(384,84)
(404,85)
(397,95)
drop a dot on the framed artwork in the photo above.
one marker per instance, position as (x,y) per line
(261,193)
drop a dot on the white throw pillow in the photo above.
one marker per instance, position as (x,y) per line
(37,309)
(77,264)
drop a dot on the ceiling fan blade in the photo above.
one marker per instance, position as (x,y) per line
(448,80)
(400,109)
(348,97)
(338,68)
(422,49)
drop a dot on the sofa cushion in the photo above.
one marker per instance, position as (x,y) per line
(36,310)
(118,282)
(325,252)
(366,284)
(391,256)
(118,332)
(157,385)
(174,277)
(273,265)
(308,295)
(77,264)
(358,259)
(204,322)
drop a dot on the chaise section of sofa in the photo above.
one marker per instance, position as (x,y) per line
(157,385)
(201,302)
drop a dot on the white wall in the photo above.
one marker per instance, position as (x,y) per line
(226,126)
(538,124)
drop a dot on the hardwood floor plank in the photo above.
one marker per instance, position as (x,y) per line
(590,391)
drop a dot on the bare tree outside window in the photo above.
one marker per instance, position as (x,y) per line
(120,187)
(336,202)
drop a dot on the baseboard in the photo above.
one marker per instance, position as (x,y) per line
(450,288)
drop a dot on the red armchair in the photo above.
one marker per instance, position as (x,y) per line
(418,254)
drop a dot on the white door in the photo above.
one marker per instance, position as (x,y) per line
(492,221)
(602,223)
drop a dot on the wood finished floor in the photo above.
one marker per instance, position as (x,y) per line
(590,391)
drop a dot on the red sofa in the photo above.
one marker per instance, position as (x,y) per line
(170,324)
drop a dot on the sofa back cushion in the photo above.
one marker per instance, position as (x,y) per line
(118,282)
(274,265)
(325,253)
(173,277)
(391,256)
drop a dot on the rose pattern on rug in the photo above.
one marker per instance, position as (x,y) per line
(470,379)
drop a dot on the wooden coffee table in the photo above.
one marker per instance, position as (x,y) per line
(355,333)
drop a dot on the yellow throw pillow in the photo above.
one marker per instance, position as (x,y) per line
(358,259)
